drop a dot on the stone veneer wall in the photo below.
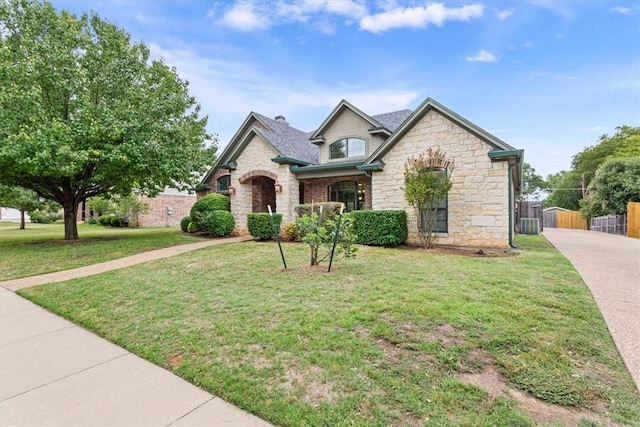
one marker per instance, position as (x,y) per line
(158,215)
(255,157)
(317,190)
(478,199)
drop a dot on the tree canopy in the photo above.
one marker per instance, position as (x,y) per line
(86,112)
(532,183)
(616,183)
(566,186)
(19,198)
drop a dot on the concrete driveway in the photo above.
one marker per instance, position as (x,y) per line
(610,266)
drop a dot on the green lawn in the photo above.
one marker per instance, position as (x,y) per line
(40,248)
(392,337)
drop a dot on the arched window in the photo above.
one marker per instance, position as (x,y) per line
(348,147)
(351,193)
(223,183)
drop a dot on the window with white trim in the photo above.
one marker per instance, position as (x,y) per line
(348,147)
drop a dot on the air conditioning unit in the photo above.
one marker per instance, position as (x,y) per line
(529,225)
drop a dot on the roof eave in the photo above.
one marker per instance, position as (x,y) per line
(325,167)
(282,160)
(506,154)
(372,167)
(429,104)
(380,130)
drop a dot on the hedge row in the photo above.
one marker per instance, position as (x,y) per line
(380,228)
(260,227)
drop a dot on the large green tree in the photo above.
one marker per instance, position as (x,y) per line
(566,187)
(21,199)
(532,183)
(623,144)
(86,112)
(565,190)
(616,183)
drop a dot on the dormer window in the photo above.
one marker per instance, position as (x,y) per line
(348,147)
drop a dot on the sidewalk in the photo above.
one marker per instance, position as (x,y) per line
(610,266)
(55,373)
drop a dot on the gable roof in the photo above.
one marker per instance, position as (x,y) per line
(426,106)
(385,123)
(288,142)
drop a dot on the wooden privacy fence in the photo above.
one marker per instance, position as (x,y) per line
(626,225)
(633,219)
(570,219)
(529,209)
(612,224)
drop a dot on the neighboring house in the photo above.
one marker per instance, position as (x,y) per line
(165,210)
(359,159)
(10,214)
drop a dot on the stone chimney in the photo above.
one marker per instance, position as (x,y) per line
(281,119)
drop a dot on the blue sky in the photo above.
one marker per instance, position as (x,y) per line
(549,77)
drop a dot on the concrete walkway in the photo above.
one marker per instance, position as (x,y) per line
(610,266)
(61,276)
(55,373)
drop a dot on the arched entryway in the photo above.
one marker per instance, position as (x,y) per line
(263,190)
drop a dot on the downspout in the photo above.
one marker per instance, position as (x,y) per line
(511,225)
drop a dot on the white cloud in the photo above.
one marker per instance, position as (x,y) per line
(229,90)
(418,17)
(504,14)
(244,17)
(623,10)
(483,56)
(301,10)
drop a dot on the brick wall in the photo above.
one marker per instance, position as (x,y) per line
(158,214)
(317,190)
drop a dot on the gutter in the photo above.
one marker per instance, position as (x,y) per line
(512,245)
(505,155)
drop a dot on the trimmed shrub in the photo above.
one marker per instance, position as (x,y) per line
(92,220)
(184,223)
(35,217)
(380,228)
(192,228)
(217,223)
(106,219)
(117,221)
(41,218)
(291,231)
(259,225)
(209,203)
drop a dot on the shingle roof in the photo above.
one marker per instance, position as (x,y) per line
(393,120)
(291,142)
(295,144)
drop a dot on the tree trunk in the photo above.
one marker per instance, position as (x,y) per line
(70,220)
(21,219)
